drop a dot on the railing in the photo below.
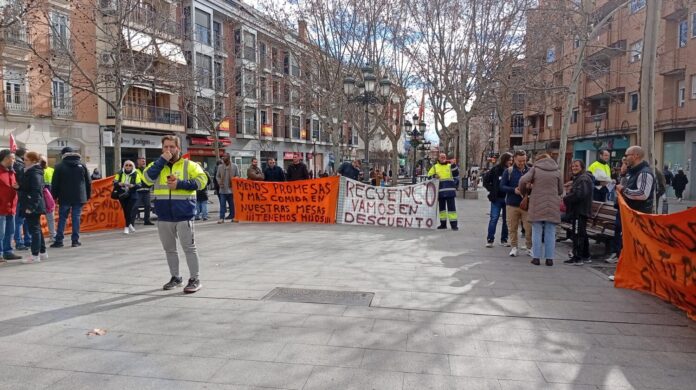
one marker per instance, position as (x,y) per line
(63,109)
(201,34)
(145,113)
(218,43)
(250,53)
(158,21)
(18,103)
(15,35)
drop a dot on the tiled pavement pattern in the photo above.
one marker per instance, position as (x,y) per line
(447,314)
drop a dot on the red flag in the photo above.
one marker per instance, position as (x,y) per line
(186,156)
(13,144)
(421,109)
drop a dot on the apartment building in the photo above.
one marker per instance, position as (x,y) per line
(607,115)
(42,112)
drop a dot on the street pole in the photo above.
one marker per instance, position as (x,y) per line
(314,158)
(367,142)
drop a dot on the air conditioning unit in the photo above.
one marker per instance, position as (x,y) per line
(108,7)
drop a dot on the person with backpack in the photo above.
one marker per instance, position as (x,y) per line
(491,182)
(126,184)
(71,187)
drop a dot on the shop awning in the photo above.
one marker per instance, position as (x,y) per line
(208,141)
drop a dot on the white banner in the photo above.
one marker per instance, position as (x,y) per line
(413,206)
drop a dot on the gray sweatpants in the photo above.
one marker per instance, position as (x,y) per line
(169,232)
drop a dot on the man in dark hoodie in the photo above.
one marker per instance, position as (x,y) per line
(71,188)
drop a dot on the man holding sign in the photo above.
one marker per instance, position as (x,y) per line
(448,174)
(176,180)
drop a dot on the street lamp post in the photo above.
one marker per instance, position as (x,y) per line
(597,143)
(314,155)
(366,93)
(416,138)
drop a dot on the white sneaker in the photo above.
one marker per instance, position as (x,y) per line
(523,246)
(505,244)
(489,245)
(132,229)
(513,252)
(31,260)
(613,259)
(529,253)
(43,256)
(126,231)
(611,277)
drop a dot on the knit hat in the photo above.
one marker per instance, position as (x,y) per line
(66,150)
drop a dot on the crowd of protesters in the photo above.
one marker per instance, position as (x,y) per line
(534,199)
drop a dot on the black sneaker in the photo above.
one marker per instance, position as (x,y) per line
(57,244)
(21,248)
(148,223)
(574,261)
(535,261)
(173,283)
(75,244)
(192,286)
(11,256)
(549,262)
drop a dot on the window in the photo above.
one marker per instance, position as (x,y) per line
(264,117)
(249,46)
(202,28)
(549,121)
(263,88)
(682,33)
(354,137)
(59,31)
(219,77)
(316,126)
(249,84)
(693,86)
(637,5)
(574,116)
(61,95)
(217,35)
(204,69)
(250,121)
(635,52)
(276,92)
(693,25)
(276,124)
(263,61)
(551,55)
(633,102)
(295,126)
(219,110)
(294,66)
(681,96)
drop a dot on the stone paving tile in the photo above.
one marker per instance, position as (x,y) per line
(240,349)
(441,344)
(20,354)
(406,327)
(443,318)
(422,363)
(371,312)
(599,375)
(479,367)
(281,375)
(353,379)
(335,322)
(359,338)
(89,360)
(440,382)
(26,378)
(539,353)
(519,385)
(189,368)
(320,355)
(81,380)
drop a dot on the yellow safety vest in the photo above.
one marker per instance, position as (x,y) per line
(183,170)
(48,175)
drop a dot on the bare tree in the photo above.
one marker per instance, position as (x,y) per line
(134,44)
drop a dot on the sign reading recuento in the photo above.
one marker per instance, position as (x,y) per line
(304,201)
(659,256)
(412,206)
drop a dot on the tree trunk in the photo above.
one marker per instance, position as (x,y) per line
(118,124)
(395,163)
(462,161)
(646,133)
(216,140)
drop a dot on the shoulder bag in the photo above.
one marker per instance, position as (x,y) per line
(524,204)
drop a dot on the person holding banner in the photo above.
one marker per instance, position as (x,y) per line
(640,182)
(175,182)
(350,170)
(448,174)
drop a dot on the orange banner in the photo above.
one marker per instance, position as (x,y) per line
(308,201)
(100,213)
(658,256)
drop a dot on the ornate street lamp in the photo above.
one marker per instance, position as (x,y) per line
(597,143)
(314,155)
(416,137)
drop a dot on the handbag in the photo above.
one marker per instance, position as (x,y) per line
(524,204)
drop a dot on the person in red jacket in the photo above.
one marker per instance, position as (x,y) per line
(8,204)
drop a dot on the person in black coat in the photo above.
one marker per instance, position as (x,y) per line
(350,170)
(578,203)
(273,172)
(32,205)
(679,183)
(202,201)
(297,170)
(71,187)
(22,241)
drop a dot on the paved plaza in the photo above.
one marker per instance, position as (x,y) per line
(447,313)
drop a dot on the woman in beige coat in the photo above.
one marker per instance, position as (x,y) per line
(544,205)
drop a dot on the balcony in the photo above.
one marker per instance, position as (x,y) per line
(15,35)
(218,44)
(671,63)
(18,103)
(201,34)
(145,113)
(158,21)
(62,109)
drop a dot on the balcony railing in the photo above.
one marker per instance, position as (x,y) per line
(15,35)
(145,113)
(62,109)
(18,103)
(158,21)
(218,43)
(201,34)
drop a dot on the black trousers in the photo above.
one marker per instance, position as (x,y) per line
(38,245)
(448,209)
(581,243)
(128,207)
(144,198)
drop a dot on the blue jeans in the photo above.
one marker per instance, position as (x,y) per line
(63,211)
(6,232)
(496,208)
(549,231)
(225,200)
(20,225)
(202,209)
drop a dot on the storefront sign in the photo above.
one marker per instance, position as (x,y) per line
(412,206)
(303,201)
(131,140)
(291,155)
(658,256)
(204,152)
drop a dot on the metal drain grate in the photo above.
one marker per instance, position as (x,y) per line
(349,298)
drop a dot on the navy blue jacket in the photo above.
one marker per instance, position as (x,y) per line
(274,174)
(508,185)
(348,170)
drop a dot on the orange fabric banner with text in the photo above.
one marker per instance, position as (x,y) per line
(99,213)
(308,201)
(658,256)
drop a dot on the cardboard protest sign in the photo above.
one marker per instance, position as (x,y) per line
(413,206)
(303,201)
(659,256)
(99,213)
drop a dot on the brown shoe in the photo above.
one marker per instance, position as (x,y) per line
(536,261)
(549,262)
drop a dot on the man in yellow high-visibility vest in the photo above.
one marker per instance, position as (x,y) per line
(448,174)
(175,181)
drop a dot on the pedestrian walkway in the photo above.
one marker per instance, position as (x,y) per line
(447,313)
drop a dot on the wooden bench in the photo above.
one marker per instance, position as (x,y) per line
(600,226)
